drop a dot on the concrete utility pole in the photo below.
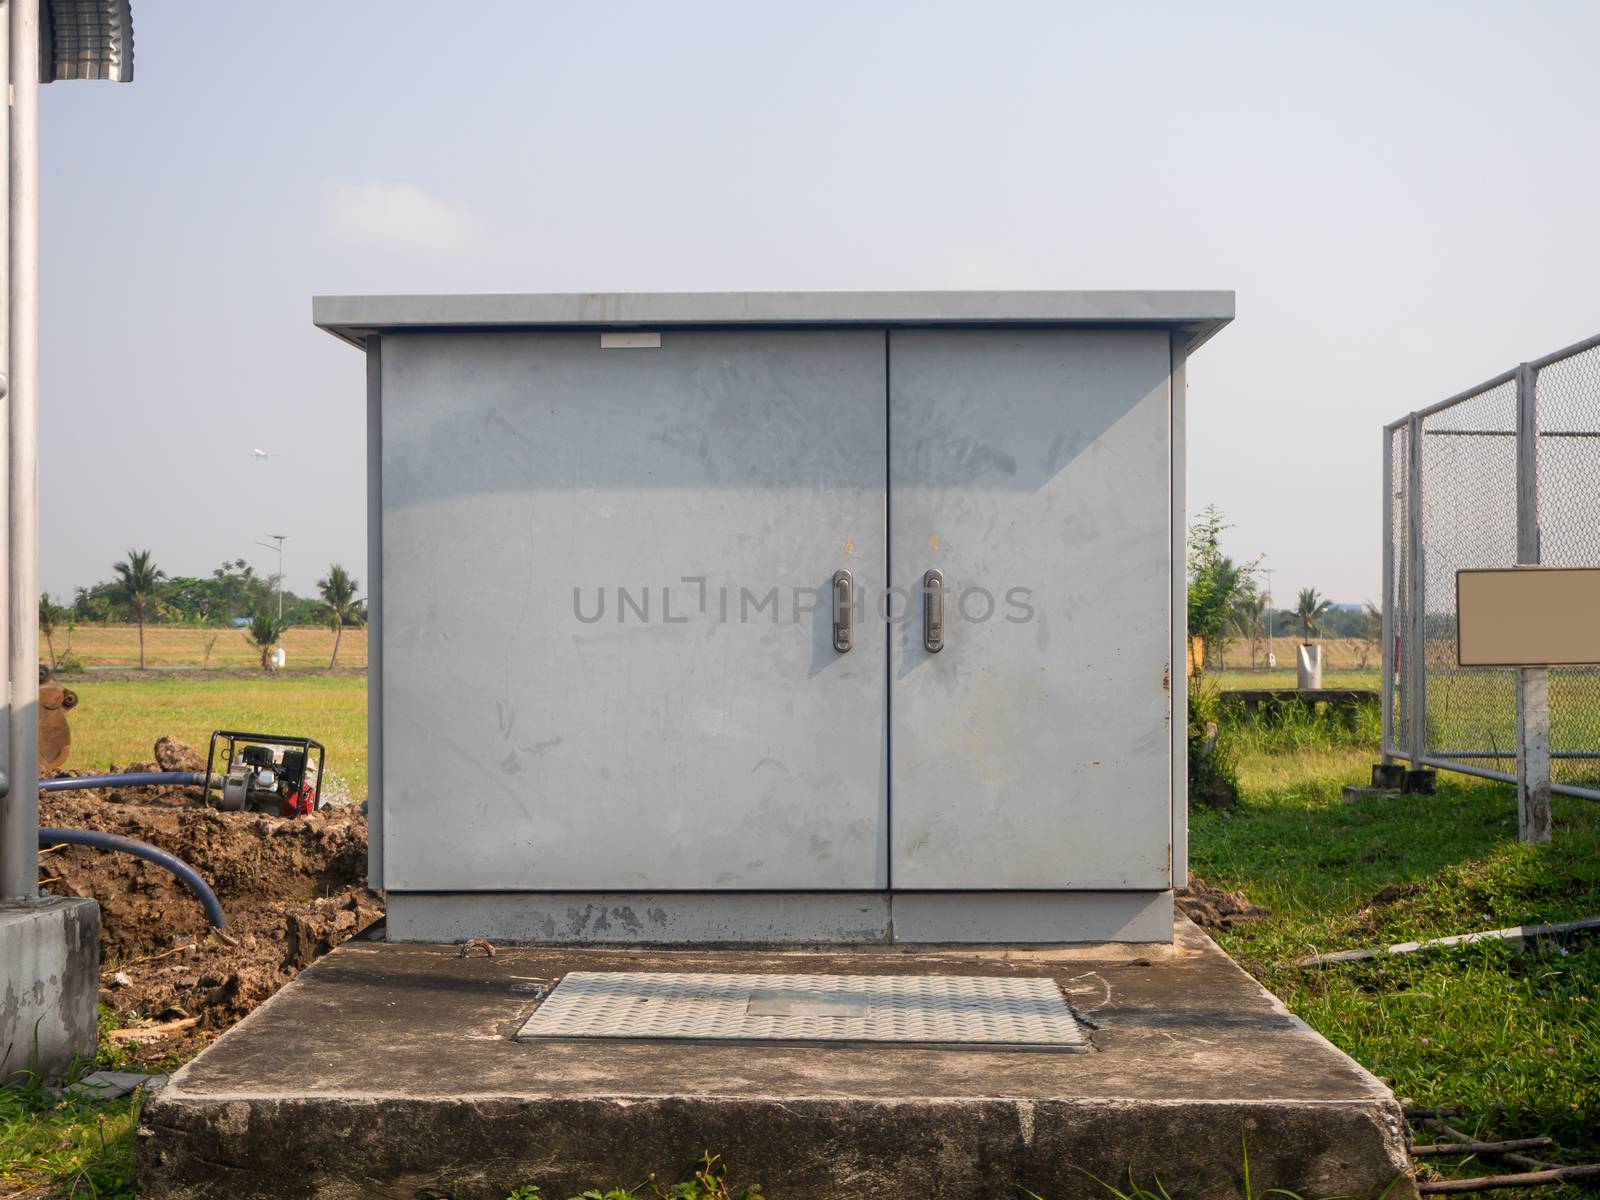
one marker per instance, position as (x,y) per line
(49,946)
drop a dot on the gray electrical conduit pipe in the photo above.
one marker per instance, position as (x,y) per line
(99,840)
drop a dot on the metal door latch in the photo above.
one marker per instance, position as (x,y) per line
(933,611)
(843,611)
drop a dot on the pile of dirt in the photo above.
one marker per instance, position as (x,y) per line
(1215,910)
(292,889)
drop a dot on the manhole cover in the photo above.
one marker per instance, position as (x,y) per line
(931,1010)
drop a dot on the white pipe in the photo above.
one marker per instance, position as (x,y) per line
(19,862)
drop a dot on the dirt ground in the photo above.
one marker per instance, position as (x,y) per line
(1214,909)
(292,889)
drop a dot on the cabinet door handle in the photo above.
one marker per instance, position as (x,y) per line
(844,608)
(933,611)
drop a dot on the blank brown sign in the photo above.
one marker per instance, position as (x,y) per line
(1528,617)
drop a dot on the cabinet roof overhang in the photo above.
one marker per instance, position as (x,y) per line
(356,318)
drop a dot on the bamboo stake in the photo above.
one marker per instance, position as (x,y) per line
(1489,1183)
(1532,1143)
(1455,1135)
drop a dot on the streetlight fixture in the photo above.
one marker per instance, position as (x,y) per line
(280,538)
(40,41)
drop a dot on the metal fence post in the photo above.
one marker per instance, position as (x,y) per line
(1386,650)
(1533,683)
(1416,681)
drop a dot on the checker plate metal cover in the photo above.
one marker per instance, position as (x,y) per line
(940,1010)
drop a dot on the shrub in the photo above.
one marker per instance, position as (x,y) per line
(1213,761)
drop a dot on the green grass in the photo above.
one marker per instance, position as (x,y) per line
(76,1148)
(117,722)
(72,1146)
(707,1181)
(1513,1039)
(1475,708)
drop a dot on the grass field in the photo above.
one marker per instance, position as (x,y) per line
(307,647)
(117,721)
(1513,1039)
(1231,681)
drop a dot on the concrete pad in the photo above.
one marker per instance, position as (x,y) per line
(49,984)
(389,1070)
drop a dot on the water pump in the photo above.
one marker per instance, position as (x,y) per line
(264,773)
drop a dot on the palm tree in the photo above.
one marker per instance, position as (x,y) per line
(137,581)
(339,594)
(1311,608)
(263,633)
(1248,614)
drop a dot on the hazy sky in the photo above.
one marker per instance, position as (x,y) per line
(1404,197)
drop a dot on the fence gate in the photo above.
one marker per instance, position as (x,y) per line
(1503,474)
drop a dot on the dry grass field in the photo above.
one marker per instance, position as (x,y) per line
(1338,654)
(306,646)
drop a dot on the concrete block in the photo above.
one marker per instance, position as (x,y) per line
(390,1072)
(1354,793)
(113,1085)
(49,984)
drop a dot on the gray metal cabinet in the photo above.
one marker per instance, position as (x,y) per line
(609,700)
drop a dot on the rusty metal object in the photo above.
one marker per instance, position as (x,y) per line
(55,736)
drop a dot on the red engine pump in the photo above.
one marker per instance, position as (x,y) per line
(301,803)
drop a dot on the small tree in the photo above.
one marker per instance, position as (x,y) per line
(1310,610)
(263,633)
(51,616)
(339,594)
(1216,582)
(1371,631)
(137,581)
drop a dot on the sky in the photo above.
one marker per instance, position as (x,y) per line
(1403,197)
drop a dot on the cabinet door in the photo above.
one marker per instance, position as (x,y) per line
(1031,468)
(609,656)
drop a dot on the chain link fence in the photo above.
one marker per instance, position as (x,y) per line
(1505,473)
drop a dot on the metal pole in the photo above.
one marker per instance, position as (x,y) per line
(14,833)
(19,868)
(1416,680)
(1527,465)
(1267,571)
(279,538)
(1533,683)
(1386,627)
